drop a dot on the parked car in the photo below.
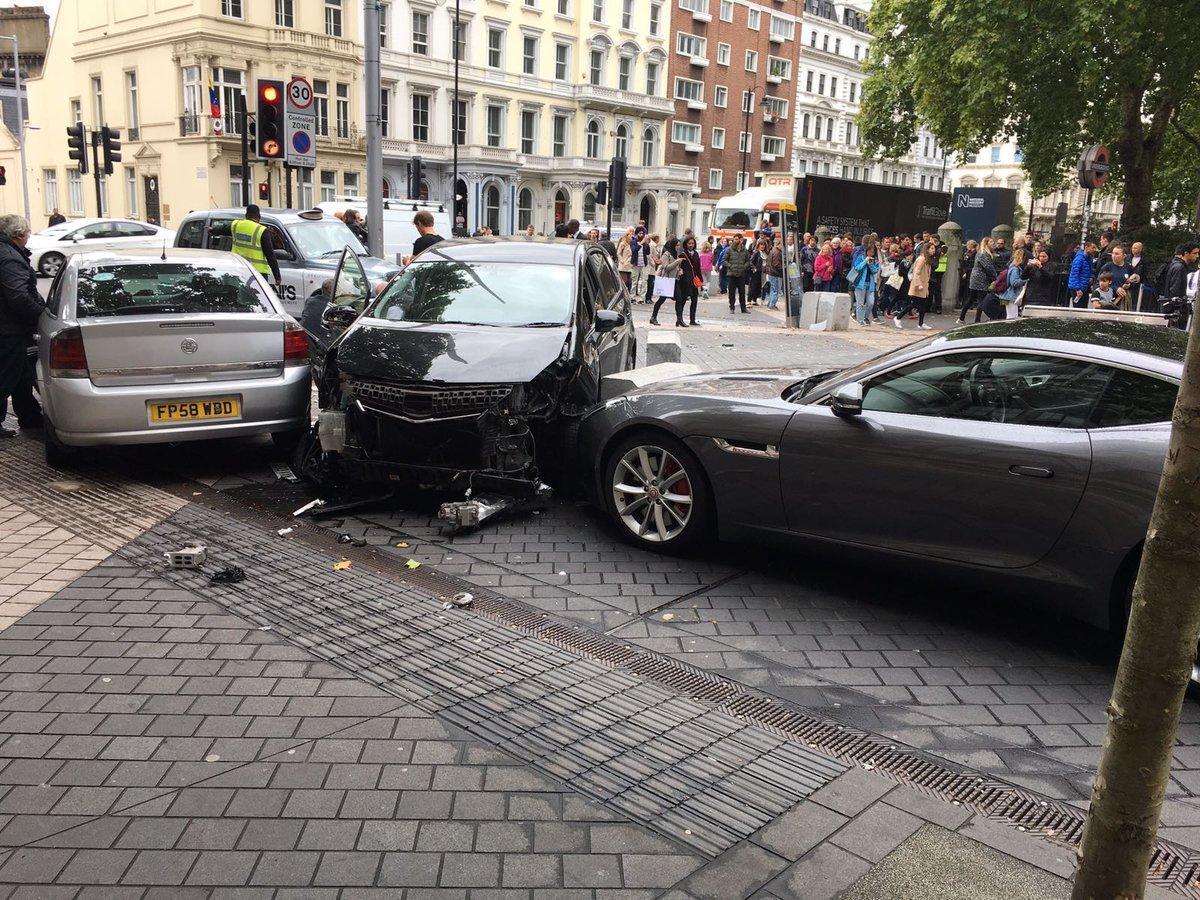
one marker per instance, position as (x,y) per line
(51,247)
(307,246)
(156,346)
(1019,452)
(472,369)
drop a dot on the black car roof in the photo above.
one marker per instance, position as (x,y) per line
(1150,340)
(547,251)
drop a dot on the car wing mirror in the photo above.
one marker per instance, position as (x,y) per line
(284,254)
(338,317)
(847,400)
(608,320)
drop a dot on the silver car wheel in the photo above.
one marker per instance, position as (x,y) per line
(652,493)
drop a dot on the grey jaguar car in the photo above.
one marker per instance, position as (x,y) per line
(1023,452)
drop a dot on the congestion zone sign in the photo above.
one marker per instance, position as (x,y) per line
(300,125)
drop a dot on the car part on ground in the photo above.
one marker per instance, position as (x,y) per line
(464,515)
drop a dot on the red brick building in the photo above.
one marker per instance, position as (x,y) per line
(729,58)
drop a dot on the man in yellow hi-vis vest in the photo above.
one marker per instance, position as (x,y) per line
(252,242)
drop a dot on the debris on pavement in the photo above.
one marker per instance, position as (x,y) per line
(412,564)
(283,472)
(344,538)
(462,599)
(342,565)
(403,545)
(284,532)
(307,507)
(228,575)
(465,514)
(188,557)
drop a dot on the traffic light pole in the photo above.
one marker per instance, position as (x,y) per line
(287,181)
(608,205)
(97,172)
(244,126)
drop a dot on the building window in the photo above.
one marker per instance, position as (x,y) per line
(97,101)
(812,39)
(564,7)
(774,146)
(528,131)
(385,10)
(459,50)
(714,179)
(723,51)
(782,29)
(593,140)
(103,196)
(995,154)
(833,86)
(420,117)
(808,81)
(853,92)
(597,10)
(328,185)
(420,33)
(285,14)
(321,106)
(687,89)
(50,189)
(720,95)
(624,72)
(627,14)
(837,46)
(131,192)
(652,79)
(776,106)
(75,191)
(745,139)
(491,208)
(752,19)
(458,125)
(385,111)
(343,110)
(589,207)
(562,61)
(621,142)
(829,128)
(649,147)
(596,66)
(655,19)
(495,125)
(350,184)
(192,102)
(333,18)
(825,42)
(726,10)
(231,8)
(742,178)
(748,101)
(495,48)
(685,133)
(133,118)
(235,185)
(780,68)
(718,138)
(230,88)
(529,46)
(690,45)
(751,60)
(821,84)
(806,120)
(857,51)
(524,208)
(559,135)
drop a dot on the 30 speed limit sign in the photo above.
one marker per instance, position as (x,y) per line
(300,149)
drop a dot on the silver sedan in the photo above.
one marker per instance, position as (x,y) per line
(167,345)
(1023,453)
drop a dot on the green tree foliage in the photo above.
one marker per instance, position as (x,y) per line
(1054,76)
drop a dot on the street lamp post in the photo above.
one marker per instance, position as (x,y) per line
(374,130)
(454,122)
(20,119)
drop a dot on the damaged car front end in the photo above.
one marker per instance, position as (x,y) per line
(468,374)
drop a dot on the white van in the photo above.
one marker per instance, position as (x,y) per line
(399,232)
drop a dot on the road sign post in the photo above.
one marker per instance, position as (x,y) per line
(300,122)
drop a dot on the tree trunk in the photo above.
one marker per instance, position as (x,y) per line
(1135,214)
(1160,648)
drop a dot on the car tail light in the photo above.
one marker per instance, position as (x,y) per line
(295,345)
(67,356)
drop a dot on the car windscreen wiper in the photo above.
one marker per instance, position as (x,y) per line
(543,325)
(803,387)
(459,322)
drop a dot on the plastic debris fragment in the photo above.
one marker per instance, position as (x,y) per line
(228,575)
(311,505)
(342,565)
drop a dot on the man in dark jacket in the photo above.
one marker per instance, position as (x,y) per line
(20,307)
(1174,283)
(737,258)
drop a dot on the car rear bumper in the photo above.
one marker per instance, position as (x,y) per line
(84,415)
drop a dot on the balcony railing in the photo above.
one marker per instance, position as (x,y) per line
(616,99)
(189,125)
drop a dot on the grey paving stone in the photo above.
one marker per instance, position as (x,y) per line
(737,872)
(876,831)
(798,830)
(95,867)
(391,836)
(215,868)
(820,875)
(347,868)
(151,867)
(280,868)
(852,792)
(410,870)
(528,870)
(591,870)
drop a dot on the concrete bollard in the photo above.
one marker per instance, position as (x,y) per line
(623,382)
(833,312)
(662,347)
(951,235)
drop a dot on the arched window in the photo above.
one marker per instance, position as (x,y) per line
(593,140)
(562,207)
(387,189)
(491,208)
(524,208)
(646,211)
(589,207)
(621,144)
(649,147)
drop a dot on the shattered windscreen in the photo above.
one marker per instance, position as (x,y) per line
(479,293)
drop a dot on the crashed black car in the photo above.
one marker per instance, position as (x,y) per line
(471,370)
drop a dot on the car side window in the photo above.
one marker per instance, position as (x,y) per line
(600,264)
(1135,399)
(220,237)
(103,230)
(54,296)
(132,229)
(1014,389)
(191,234)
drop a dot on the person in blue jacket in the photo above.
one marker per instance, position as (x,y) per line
(1079,282)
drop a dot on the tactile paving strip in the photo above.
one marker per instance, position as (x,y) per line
(699,775)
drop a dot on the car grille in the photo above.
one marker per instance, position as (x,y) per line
(420,402)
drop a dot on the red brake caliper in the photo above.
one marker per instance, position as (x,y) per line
(683,486)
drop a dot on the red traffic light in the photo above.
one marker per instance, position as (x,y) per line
(270,93)
(270,148)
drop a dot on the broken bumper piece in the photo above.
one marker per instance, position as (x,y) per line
(470,513)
